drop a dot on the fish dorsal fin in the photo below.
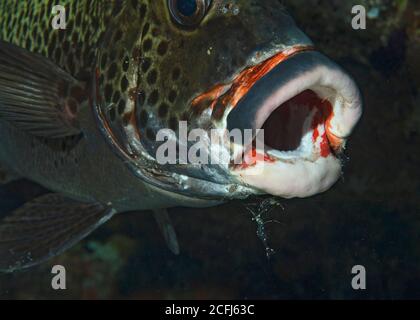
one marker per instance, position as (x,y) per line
(46,227)
(34,94)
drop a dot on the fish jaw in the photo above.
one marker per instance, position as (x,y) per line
(306,107)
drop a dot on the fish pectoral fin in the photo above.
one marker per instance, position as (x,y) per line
(35,94)
(45,227)
(168,231)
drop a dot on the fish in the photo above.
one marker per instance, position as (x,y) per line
(85,110)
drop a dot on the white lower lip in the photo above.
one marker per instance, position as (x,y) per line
(299,173)
(303,172)
(289,179)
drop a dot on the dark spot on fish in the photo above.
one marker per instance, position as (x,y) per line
(108,92)
(146,64)
(70,26)
(141,98)
(87,37)
(75,39)
(78,18)
(78,51)
(57,54)
(156,32)
(117,35)
(124,84)
(121,107)
(70,63)
(126,64)
(173,123)
(163,110)
(154,97)
(172,96)
(53,41)
(25,28)
(152,77)
(49,6)
(112,71)
(144,118)
(143,10)
(112,114)
(35,31)
(162,48)
(66,46)
(91,58)
(134,4)
(61,34)
(31,12)
(147,45)
(176,74)
(185,116)
(146,29)
(29,44)
(116,97)
(117,7)
(38,41)
(113,55)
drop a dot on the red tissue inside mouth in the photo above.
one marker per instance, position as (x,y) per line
(284,128)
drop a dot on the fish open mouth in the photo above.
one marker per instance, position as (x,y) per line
(289,127)
(307,107)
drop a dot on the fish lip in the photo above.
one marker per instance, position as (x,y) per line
(302,71)
(302,176)
(224,96)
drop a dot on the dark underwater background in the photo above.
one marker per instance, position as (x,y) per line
(370,218)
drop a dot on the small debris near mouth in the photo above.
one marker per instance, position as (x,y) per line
(260,208)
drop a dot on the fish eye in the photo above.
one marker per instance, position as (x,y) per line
(188,13)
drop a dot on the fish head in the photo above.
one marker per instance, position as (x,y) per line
(194,71)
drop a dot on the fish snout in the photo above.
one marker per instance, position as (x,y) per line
(306,107)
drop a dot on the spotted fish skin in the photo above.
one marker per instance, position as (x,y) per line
(81,167)
(144,70)
(27,24)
